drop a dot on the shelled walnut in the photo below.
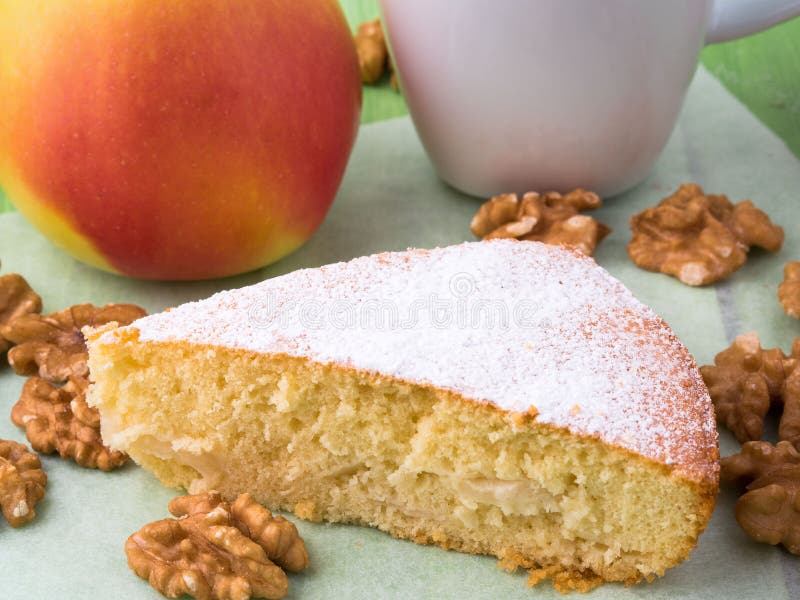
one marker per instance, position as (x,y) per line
(52,346)
(217,550)
(551,218)
(769,511)
(755,460)
(22,483)
(699,238)
(743,382)
(57,419)
(373,55)
(789,290)
(746,380)
(16,299)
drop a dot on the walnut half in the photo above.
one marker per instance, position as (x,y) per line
(373,54)
(217,550)
(769,511)
(16,299)
(746,380)
(22,482)
(699,238)
(52,346)
(743,382)
(58,419)
(550,218)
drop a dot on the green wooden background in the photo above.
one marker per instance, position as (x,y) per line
(763,71)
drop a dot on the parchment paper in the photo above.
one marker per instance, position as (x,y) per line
(391,200)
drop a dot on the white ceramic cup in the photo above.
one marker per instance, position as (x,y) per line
(519,95)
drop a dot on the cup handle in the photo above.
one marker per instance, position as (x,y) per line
(731,19)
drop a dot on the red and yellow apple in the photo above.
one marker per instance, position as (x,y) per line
(176,139)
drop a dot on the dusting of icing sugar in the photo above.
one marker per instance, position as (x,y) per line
(517,324)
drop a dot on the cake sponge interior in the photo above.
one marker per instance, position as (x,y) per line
(336,444)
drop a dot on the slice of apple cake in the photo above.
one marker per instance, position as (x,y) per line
(502,397)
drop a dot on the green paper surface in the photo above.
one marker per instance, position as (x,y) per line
(390,200)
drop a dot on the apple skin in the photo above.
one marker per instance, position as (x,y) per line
(176,140)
